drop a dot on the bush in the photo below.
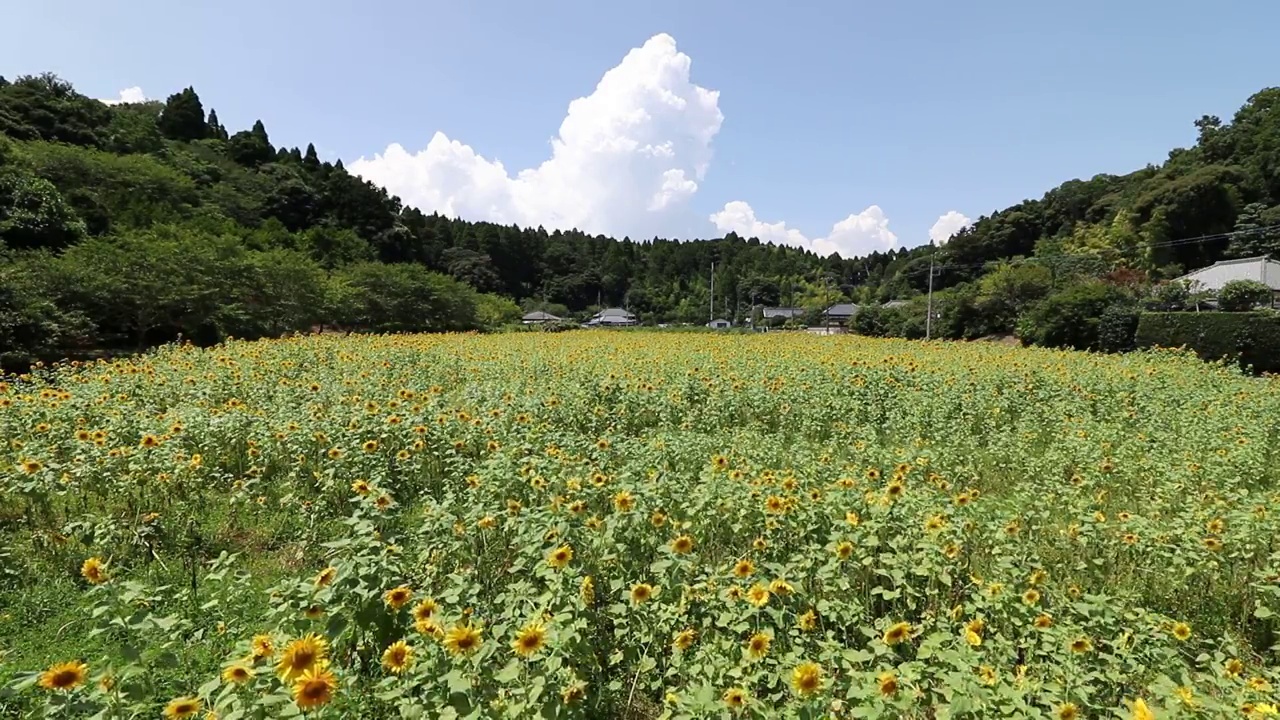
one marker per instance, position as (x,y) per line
(1251,339)
(1240,295)
(1116,328)
(1069,318)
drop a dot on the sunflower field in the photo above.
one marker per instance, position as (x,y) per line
(638,525)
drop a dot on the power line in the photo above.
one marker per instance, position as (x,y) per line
(1164,243)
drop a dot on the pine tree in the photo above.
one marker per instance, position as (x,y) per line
(311,160)
(216,130)
(183,117)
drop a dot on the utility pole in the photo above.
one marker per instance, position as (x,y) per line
(928,319)
(713,292)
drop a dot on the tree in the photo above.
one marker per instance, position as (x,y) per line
(216,130)
(251,148)
(1253,237)
(1070,317)
(1240,295)
(33,214)
(183,117)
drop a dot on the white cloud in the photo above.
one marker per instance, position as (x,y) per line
(625,162)
(859,234)
(128,95)
(947,226)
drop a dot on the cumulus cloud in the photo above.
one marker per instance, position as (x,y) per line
(947,226)
(859,234)
(128,95)
(626,160)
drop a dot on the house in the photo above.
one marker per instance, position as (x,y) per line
(612,317)
(1262,269)
(537,317)
(840,313)
(785,313)
(719,324)
(894,304)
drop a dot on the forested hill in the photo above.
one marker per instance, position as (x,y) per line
(129,224)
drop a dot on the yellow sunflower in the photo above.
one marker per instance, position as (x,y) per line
(64,676)
(398,657)
(94,571)
(897,633)
(398,597)
(314,688)
(560,557)
(238,674)
(758,646)
(462,639)
(182,708)
(806,678)
(530,639)
(302,655)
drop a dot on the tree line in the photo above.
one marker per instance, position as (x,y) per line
(127,225)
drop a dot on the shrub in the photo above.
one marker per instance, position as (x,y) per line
(1239,295)
(1116,328)
(1069,318)
(1251,339)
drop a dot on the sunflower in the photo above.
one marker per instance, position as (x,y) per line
(1140,711)
(684,639)
(897,633)
(887,683)
(30,466)
(150,441)
(573,692)
(64,676)
(1043,621)
(361,487)
(302,655)
(370,446)
(462,639)
(263,647)
(1181,631)
(623,501)
(314,688)
(1067,711)
(806,678)
(238,674)
(1031,597)
(1081,645)
(744,569)
(530,639)
(682,545)
(758,595)
(808,622)
(326,577)
(94,571)
(398,597)
(181,708)
(852,518)
(844,550)
(560,557)
(758,646)
(398,657)
(641,593)
(735,698)
(1233,667)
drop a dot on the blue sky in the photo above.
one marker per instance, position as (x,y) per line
(828,109)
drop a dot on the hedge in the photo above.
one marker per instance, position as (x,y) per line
(1252,338)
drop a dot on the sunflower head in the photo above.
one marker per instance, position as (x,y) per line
(314,688)
(806,678)
(302,655)
(398,597)
(182,708)
(94,571)
(64,676)
(530,639)
(398,657)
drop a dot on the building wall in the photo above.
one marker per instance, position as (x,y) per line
(1214,277)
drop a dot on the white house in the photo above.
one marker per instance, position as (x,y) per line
(719,324)
(1212,278)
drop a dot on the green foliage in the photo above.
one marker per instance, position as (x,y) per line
(46,107)
(1251,339)
(1070,318)
(183,117)
(494,311)
(1116,328)
(402,298)
(1240,295)
(33,214)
